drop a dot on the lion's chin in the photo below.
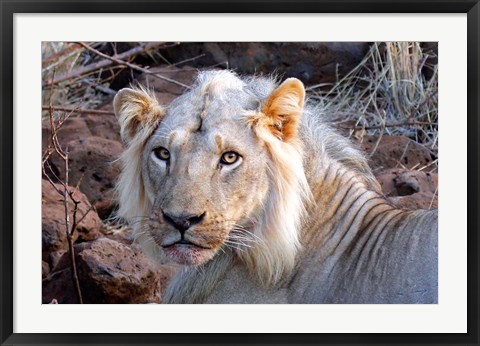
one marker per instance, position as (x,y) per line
(188,254)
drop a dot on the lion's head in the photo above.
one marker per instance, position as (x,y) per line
(220,167)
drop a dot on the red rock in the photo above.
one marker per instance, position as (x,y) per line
(58,285)
(109,272)
(120,233)
(73,128)
(53,220)
(94,162)
(54,258)
(112,272)
(402,182)
(387,181)
(419,200)
(409,189)
(410,182)
(394,152)
(105,126)
(45,269)
(165,91)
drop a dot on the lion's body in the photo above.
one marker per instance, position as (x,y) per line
(316,228)
(405,274)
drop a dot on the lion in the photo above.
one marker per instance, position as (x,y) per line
(241,181)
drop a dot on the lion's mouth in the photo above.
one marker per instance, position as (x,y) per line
(188,253)
(186,243)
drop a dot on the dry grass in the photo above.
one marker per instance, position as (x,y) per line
(87,78)
(83,91)
(387,93)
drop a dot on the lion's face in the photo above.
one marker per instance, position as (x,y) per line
(205,173)
(214,166)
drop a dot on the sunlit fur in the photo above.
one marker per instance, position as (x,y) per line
(278,225)
(322,202)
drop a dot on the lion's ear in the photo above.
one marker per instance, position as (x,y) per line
(136,111)
(283,109)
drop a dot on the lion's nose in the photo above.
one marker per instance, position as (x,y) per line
(183,222)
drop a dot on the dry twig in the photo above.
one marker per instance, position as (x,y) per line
(66,192)
(82,71)
(55,57)
(382,127)
(132,66)
(77,110)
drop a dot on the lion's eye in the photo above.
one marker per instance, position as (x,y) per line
(230,157)
(162,153)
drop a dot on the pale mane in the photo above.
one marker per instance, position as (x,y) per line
(134,206)
(278,223)
(323,142)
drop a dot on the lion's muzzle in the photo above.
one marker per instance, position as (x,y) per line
(183,239)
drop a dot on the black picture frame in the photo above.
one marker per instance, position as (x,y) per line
(10,7)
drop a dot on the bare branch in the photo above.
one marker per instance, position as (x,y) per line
(47,164)
(189,60)
(78,110)
(56,56)
(82,71)
(118,61)
(50,179)
(92,207)
(65,193)
(410,123)
(77,186)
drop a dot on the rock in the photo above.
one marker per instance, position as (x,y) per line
(94,162)
(312,62)
(93,144)
(112,272)
(409,189)
(86,125)
(105,126)
(73,128)
(393,152)
(124,234)
(419,200)
(402,182)
(53,220)
(165,91)
(45,269)
(54,258)
(120,233)
(58,285)
(387,182)
(109,272)
(411,182)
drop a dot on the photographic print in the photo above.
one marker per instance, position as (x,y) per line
(239,172)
